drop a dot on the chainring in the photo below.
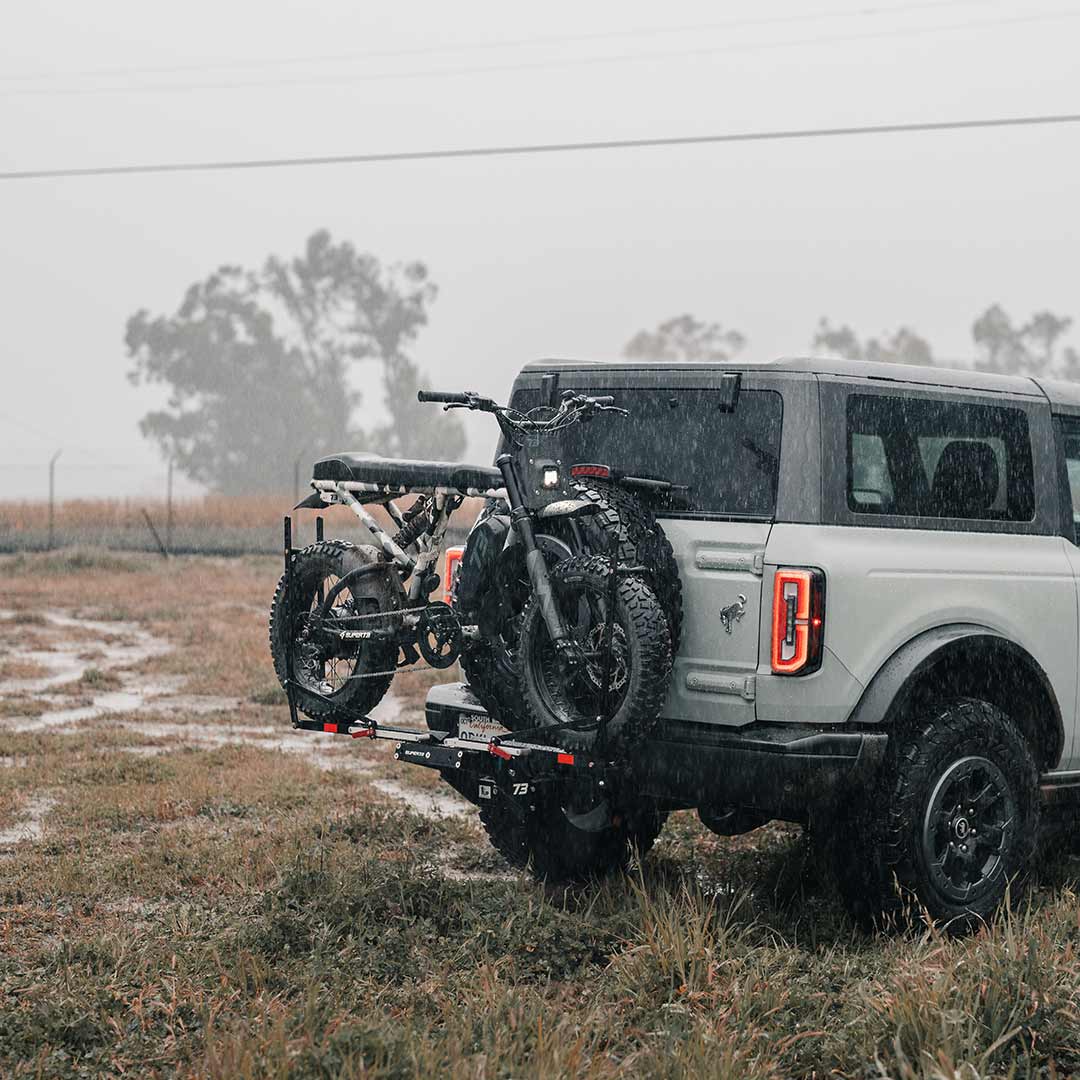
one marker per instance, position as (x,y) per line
(438,635)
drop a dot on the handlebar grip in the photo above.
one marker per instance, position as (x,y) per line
(437,395)
(607,399)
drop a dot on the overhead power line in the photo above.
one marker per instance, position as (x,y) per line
(548,148)
(344,78)
(538,41)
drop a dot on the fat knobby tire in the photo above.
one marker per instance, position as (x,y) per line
(885,878)
(639,541)
(642,542)
(554,850)
(648,647)
(294,595)
(493,679)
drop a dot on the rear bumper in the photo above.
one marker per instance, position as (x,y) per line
(784,770)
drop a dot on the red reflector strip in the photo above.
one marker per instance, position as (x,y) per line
(498,751)
(601,472)
(364,733)
(332,728)
(565,759)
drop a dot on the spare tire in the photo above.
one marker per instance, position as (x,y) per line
(643,543)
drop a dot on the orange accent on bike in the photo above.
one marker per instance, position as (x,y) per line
(451,568)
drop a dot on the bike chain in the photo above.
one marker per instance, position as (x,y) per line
(387,615)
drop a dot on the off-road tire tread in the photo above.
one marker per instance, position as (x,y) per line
(643,542)
(552,850)
(364,694)
(499,695)
(640,541)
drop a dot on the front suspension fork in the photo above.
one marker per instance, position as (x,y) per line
(535,563)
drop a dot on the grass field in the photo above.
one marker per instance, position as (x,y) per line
(187,887)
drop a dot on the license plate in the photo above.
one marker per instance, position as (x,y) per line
(479,728)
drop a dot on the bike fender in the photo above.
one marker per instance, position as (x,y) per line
(313,502)
(567,508)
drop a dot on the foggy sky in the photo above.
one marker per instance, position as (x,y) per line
(559,256)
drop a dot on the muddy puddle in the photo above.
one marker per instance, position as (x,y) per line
(427,803)
(71,657)
(78,654)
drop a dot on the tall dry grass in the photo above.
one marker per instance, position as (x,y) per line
(211,524)
(207,510)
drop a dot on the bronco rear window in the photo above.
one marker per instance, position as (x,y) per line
(919,457)
(729,460)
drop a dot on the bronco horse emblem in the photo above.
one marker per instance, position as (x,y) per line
(733,612)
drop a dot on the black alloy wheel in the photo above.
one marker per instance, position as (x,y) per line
(949,826)
(969,826)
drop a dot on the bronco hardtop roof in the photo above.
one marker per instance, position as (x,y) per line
(807,365)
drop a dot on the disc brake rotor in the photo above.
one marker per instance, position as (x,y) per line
(618,668)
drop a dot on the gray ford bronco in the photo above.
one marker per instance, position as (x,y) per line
(869,578)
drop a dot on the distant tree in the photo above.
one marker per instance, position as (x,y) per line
(258,362)
(1030,349)
(685,338)
(903,347)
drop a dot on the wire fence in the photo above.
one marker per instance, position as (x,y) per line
(150,511)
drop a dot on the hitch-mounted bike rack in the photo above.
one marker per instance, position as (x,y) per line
(441,750)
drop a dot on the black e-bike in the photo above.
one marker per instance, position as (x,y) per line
(591,645)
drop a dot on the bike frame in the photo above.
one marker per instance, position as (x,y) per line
(429,544)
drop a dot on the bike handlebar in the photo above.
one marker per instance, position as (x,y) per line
(577,405)
(438,395)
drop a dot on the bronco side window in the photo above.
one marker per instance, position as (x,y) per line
(871,487)
(934,458)
(1070,430)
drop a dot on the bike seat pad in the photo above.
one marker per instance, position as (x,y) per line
(406,474)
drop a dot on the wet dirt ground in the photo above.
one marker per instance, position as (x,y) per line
(71,673)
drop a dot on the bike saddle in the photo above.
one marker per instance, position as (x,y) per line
(408,474)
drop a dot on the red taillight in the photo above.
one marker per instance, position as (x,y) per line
(798,626)
(598,472)
(450,572)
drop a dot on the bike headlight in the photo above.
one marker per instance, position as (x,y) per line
(550,477)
